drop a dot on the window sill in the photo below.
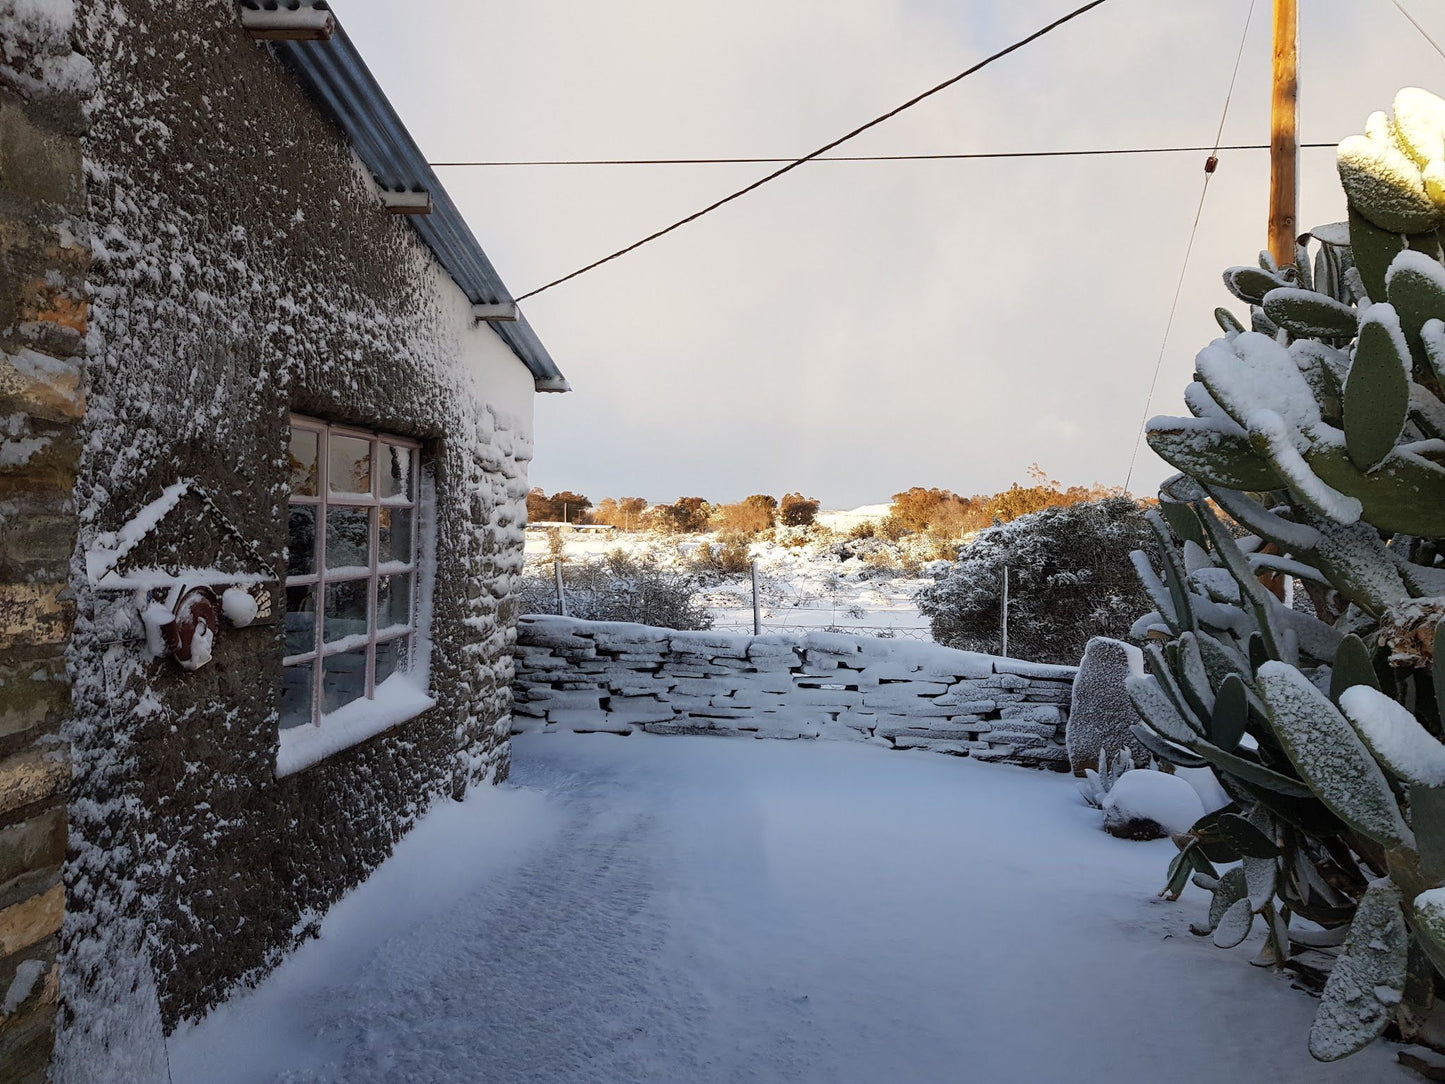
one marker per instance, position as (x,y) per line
(397,700)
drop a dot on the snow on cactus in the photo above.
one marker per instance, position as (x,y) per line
(1395,182)
(1368,980)
(1330,756)
(1313,466)
(1395,736)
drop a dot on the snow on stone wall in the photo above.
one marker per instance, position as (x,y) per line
(590,676)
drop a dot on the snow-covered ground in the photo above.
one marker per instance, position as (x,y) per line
(845,521)
(691,909)
(809,586)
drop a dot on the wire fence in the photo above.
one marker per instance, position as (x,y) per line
(882,632)
(673,604)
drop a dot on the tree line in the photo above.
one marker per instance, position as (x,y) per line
(940,513)
(686,515)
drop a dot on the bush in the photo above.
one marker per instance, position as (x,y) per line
(748,517)
(798,511)
(918,509)
(1068,582)
(727,557)
(890,529)
(620,588)
(733,558)
(686,515)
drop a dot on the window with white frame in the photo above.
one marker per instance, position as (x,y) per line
(351,580)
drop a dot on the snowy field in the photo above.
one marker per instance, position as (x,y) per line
(801,588)
(694,909)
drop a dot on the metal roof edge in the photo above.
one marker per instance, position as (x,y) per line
(333,72)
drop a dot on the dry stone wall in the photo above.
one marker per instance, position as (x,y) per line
(588,676)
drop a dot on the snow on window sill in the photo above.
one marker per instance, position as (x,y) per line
(397,699)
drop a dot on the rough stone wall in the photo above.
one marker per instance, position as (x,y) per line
(602,676)
(243,268)
(43,259)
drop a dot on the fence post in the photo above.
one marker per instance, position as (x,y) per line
(1003,615)
(561,594)
(757,610)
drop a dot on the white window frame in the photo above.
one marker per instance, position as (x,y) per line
(323,500)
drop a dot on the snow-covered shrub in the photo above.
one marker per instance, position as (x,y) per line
(1067,582)
(1145,804)
(728,556)
(620,588)
(1320,433)
(795,537)
(1101,715)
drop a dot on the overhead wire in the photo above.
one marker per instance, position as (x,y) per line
(1049,28)
(935,157)
(1189,248)
(1417,26)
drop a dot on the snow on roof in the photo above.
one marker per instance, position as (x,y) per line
(334,74)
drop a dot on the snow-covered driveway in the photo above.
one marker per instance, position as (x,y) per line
(704,909)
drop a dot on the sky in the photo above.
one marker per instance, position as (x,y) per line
(851,330)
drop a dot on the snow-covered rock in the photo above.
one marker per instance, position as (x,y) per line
(1101,714)
(1206,785)
(1145,804)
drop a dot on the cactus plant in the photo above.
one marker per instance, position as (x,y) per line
(1095,785)
(1320,433)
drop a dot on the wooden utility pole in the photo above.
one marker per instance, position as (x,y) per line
(1283,141)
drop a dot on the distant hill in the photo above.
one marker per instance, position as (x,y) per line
(845,521)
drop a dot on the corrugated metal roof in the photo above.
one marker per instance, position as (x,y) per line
(334,73)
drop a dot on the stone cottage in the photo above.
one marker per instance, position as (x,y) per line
(267,415)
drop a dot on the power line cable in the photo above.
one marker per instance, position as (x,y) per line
(1420,28)
(965,156)
(1188,250)
(825,148)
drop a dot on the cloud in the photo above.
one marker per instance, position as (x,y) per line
(850,330)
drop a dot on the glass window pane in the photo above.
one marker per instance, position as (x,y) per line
(301,540)
(343,679)
(391,658)
(348,460)
(393,601)
(395,471)
(395,538)
(348,538)
(300,620)
(297,686)
(346,604)
(303,461)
